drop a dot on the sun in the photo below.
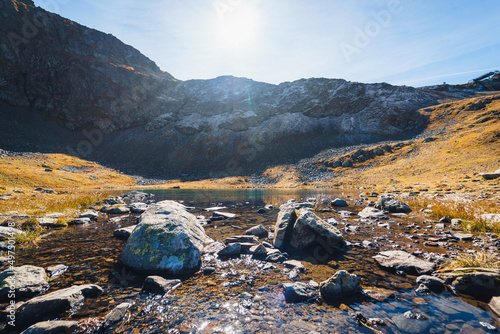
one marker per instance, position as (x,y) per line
(237,27)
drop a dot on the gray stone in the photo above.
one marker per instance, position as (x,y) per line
(7,233)
(494,305)
(225,215)
(412,322)
(233,249)
(294,264)
(258,250)
(464,236)
(403,261)
(339,202)
(372,213)
(80,221)
(259,231)
(28,281)
(490,217)
(56,270)
(54,304)
(252,239)
(341,284)
(214,247)
(93,215)
(135,197)
(138,207)
(435,284)
(299,229)
(52,327)
(445,220)
(116,315)
(124,232)
(159,285)
(299,292)
(476,282)
(168,240)
(116,209)
(392,205)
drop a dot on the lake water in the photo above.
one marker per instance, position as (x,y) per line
(242,297)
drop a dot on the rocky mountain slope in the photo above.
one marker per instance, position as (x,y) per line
(103,100)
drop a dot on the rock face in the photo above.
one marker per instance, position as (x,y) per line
(168,240)
(225,125)
(28,281)
(296,230)
(405,262)
(339,285)
(392,205)
(52,305)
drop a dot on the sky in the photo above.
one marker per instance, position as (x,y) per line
(401,42)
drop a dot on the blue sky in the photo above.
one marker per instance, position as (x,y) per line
(401,42)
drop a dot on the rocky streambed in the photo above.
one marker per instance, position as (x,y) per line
(363,270)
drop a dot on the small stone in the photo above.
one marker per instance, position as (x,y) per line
(52,327)
(299,292)
(339,285)
(56,270)
(233,249)
(124,232)
(295,265)
(445,220)
(339,202)
(159,285)
(92,215)
(435,284)
(208,270)
(80,221)
(261,211)
(116,315)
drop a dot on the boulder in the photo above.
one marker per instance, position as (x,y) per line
(308,228)
(168,240)
(463,236)
(372,213)
(300,229)
(405,262)
(295,265)
(339,202)
(476,282)
(299,292)
(138,207)
(124,232)
(80,221)
(159,285)
(54,304)
(339,285)
(116,315)
(258,250)
(52,327)
(251,239)
(28,282)
(435,284)
(392,205)
(259,231)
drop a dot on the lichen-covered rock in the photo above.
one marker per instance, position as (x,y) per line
(339,285)
(392,205)
(28,281)
(168,240)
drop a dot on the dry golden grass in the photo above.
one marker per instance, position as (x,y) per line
(467,211)
(477,260)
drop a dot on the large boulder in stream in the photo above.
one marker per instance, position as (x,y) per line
(298,228)
(27,281)
(168,240)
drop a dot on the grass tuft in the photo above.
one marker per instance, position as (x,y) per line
(477,260)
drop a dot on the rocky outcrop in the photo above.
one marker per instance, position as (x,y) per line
(27,281)
(298,229)
(52,305)
(404,262)
(112,101)
(167,240)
